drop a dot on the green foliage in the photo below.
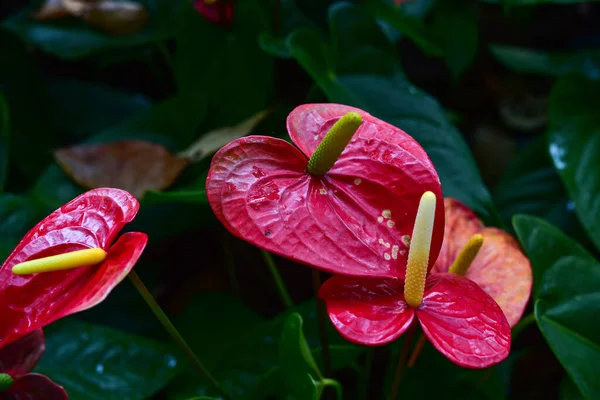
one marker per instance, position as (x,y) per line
(438,69)
(90,360)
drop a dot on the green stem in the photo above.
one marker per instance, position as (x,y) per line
(408,337)
(365,377)
(170,328)
(322,318)
(522,324)
(230,264)
(336,385)
(285,296)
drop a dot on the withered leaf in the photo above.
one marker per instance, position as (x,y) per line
(133,165)
(52,9)
(117,17)
(214,140)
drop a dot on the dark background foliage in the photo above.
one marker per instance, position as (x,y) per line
(503,95)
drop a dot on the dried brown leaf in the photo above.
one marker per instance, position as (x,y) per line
(52,9)
(133,165)
(117,17)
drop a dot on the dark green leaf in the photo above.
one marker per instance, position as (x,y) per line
(4,141)
(294,354)
(358,43)
(84,108)
(528,61)
(566,313)
(568,390)
(412,27)
(208,63)
(94,362)
(72,39)
(575,145)
(32,131)
(455,26)
(545,245)
(17,216)
(531,185)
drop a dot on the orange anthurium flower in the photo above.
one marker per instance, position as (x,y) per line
(500,268)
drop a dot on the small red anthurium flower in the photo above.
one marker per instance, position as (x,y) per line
(16,360)
(219,12)
(458,317)
(500,268)
(343,201)
(68,263)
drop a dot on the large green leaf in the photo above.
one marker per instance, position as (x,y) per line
(241,360)
(396,101)
(528,61)
(411,27)
(32,131)
(17,215)
(566,311)
(566,281)
(82,108)
(531,185)
(94,362)
(4,141)
(226,69)
(575,144)
(73,39)
(455,27)
(545,245)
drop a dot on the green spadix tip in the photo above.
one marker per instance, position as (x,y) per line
(334,143)
(6,382)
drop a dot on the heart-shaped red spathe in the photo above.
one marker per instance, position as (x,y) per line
(355,220)
(92,220)
(462,321)
(20,357)
(501,268)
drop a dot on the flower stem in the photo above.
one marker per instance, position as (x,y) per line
(170,328)
(417,350)
(321,315)
(283,293)
(522,324)
(408,337)
(336,385)
(363,384)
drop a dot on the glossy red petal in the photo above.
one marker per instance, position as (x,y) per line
(367,311)
(34,387)
(463,322)
(355,220)
(21,356)
(501,268)
(28,302)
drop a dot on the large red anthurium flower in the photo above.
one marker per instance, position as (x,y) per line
(353,217)
(458,317)
(16,382)
(78,234)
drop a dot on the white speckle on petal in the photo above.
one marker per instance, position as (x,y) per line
(406,240)
(386,256)
(386,214)
(357,181)
(395,249)
(391,224)
(323,191)
(380,219)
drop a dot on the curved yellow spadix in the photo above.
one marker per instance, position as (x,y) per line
(418,254)
(74,259)
(334,143)
(463,261)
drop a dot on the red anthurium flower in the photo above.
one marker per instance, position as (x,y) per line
(218,11)
(79,234)
(460,319)
(343,201)
(16,360)
(500,268)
